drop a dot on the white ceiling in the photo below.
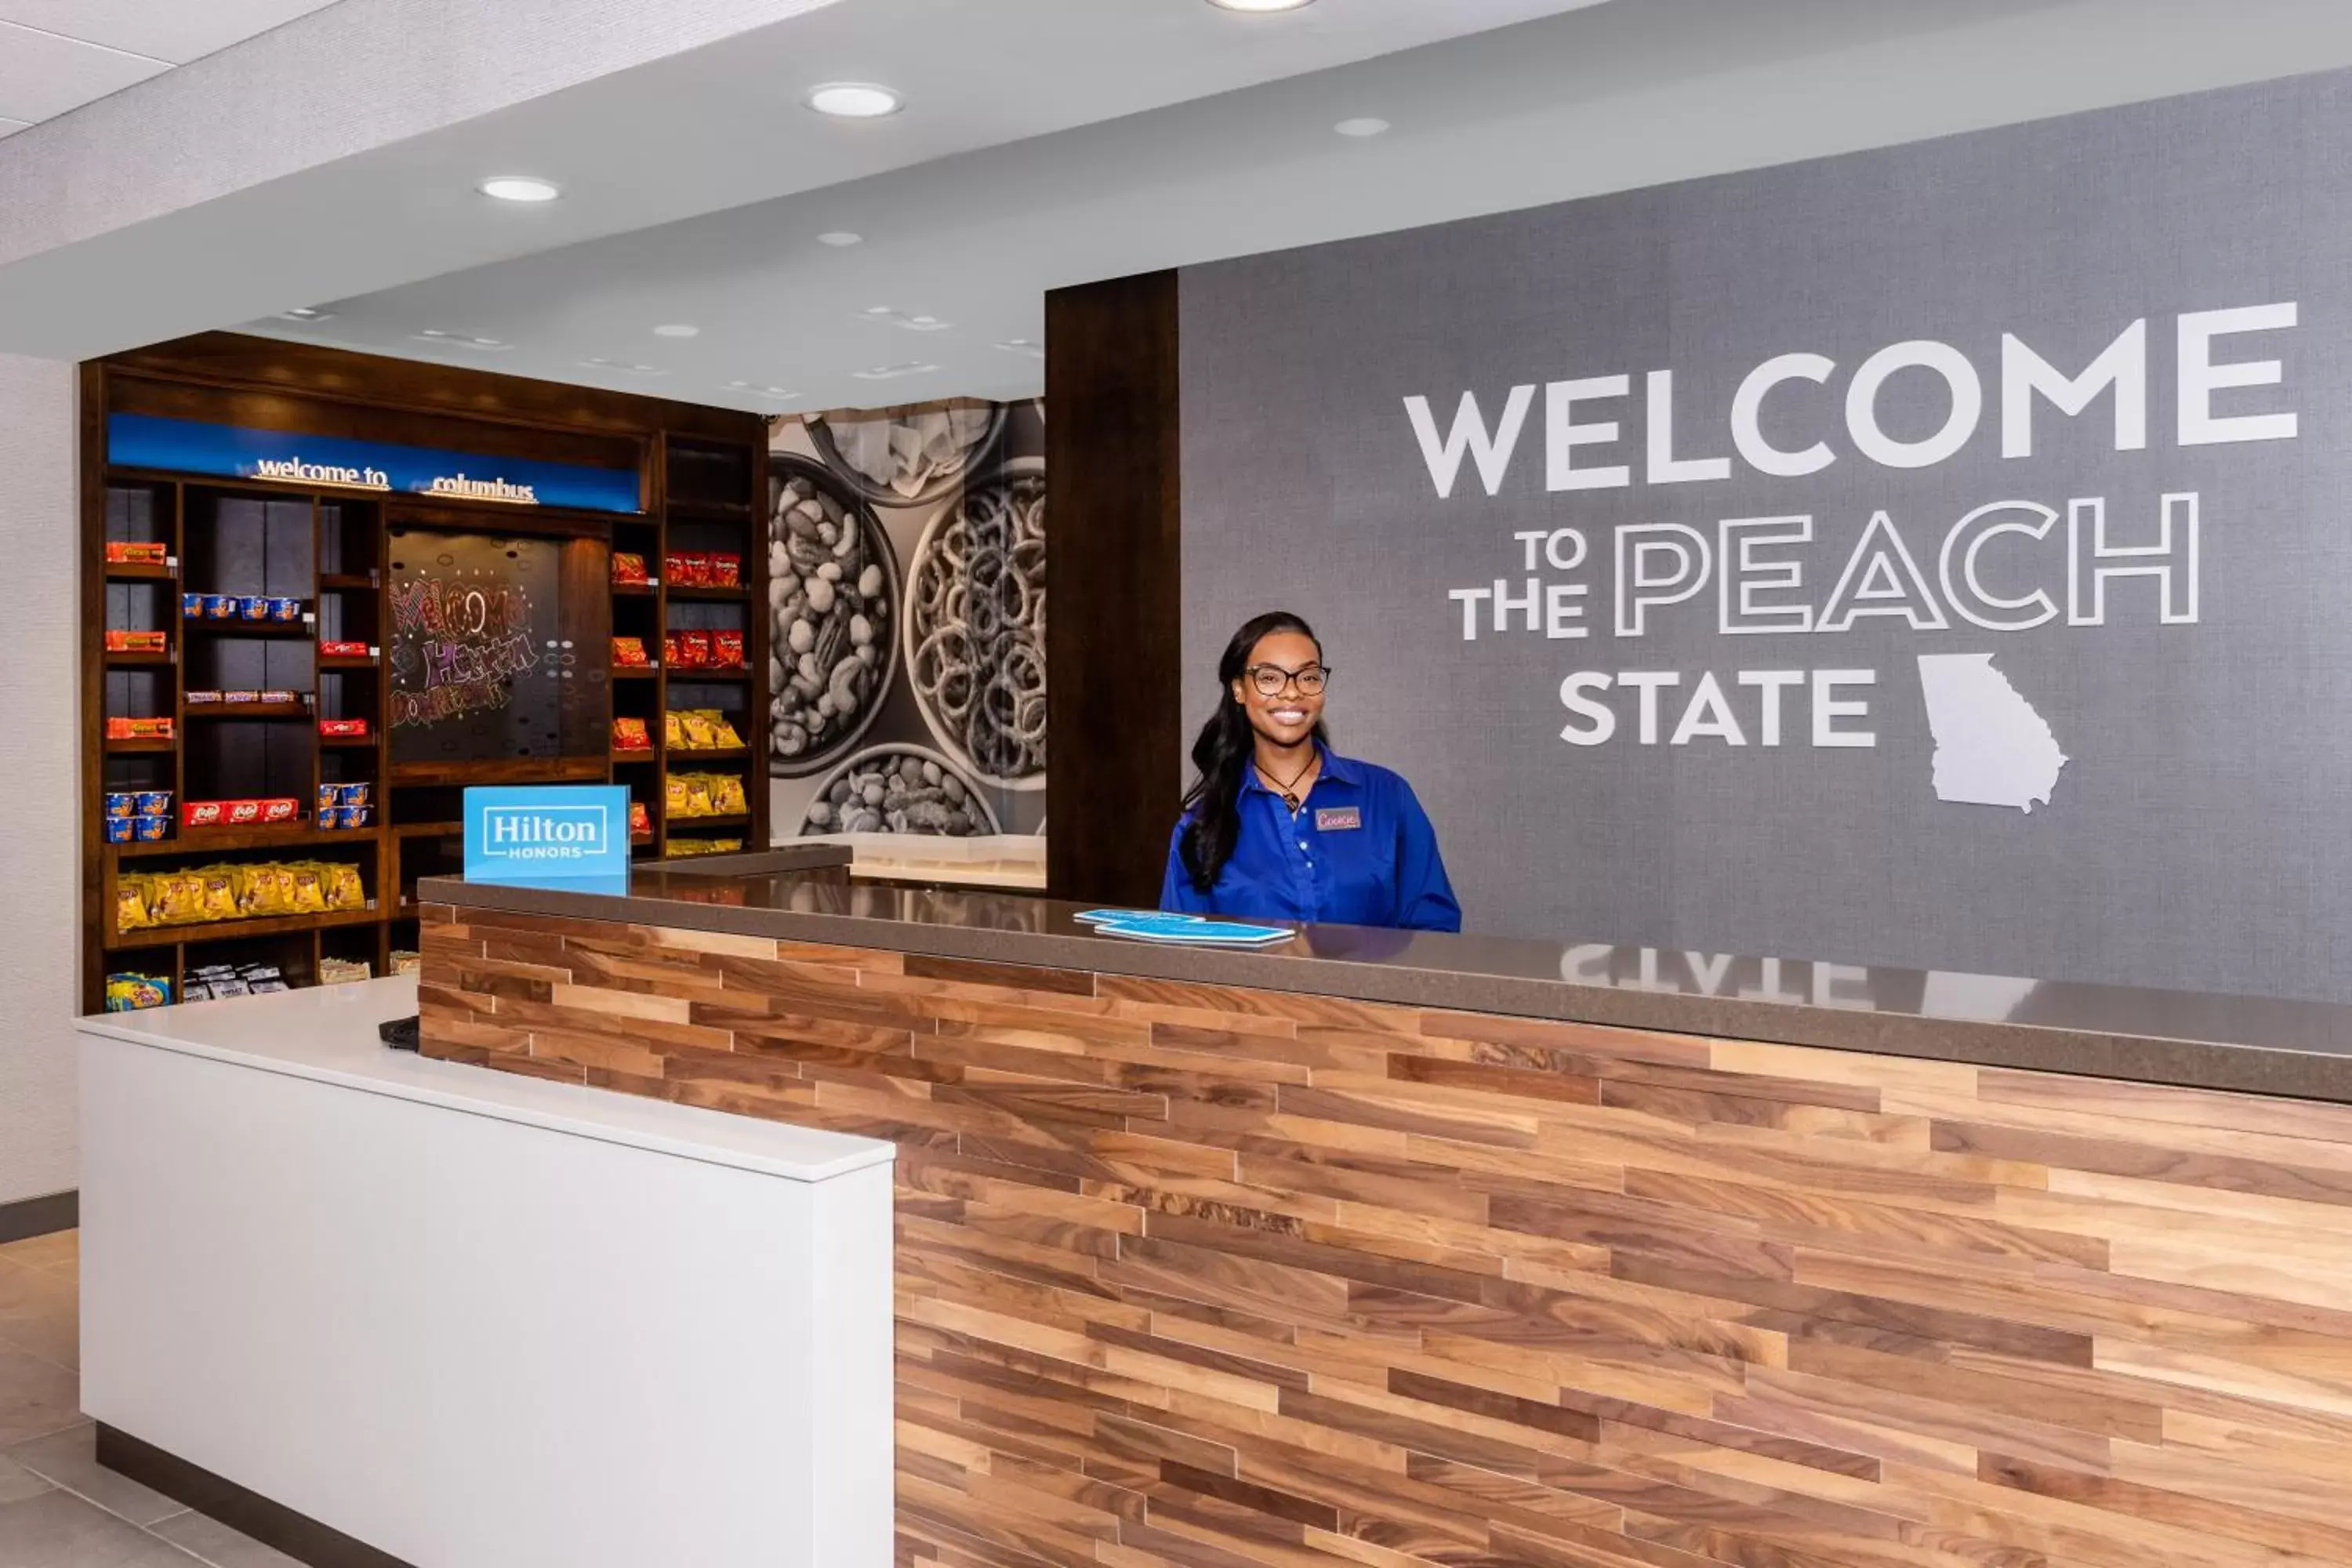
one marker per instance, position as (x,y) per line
(696,131)
(1631,93)
(57,55)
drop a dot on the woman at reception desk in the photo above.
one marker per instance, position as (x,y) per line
(1404,1248)
(1276,826)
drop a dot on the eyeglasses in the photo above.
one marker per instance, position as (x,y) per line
(1270,678)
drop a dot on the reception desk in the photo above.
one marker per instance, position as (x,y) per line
(1392,1250)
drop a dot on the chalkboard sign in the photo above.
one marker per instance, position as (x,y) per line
(499,650)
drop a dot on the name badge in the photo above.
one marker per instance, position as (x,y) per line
(1338,818)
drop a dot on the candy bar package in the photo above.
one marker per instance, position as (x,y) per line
(137,552)
(201,699)
(280,810)
(280,698)
(242,813)
(343,650)
(119,640)
(121,728)
(342,726)
(245,698)
(727,650)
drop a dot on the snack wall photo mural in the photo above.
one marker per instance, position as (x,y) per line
(906,555)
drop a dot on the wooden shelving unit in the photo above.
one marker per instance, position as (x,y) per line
(703,481)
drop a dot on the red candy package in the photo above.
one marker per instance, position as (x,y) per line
(243,812)
(203,813)
(343,650)
(727,650)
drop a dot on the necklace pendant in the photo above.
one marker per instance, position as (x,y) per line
(1291,801)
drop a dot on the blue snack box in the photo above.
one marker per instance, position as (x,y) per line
(151,830)
(192,606)
(121,802)
(155,803)
(285,609)
(253,608)
(220,606)
(119,829)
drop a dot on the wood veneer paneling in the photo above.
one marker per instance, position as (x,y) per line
(1114,643)
(1192,1277)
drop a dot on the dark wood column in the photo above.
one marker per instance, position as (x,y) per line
(1114,634)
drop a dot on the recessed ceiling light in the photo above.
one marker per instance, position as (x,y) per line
(459,340)
(1364,127)
(1028,346)
(770,393)
(1260,6)
(519,188)
(892,371)
(678,330)
(840,238)
(855,101)
(624,366)
(305,313)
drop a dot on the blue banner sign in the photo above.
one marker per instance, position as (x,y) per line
(1196,931)
(281,456)
(568,834)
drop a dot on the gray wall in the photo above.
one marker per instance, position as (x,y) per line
(39,778)
(2193,836)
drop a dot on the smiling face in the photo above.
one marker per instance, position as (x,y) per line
(1289,716)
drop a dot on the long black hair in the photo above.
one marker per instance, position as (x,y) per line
(1224,754)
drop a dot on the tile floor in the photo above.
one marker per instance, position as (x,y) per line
(58,1508)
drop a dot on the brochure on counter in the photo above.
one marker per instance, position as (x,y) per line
(1194,930)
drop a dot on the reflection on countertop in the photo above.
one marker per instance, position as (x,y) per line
(2251,1044)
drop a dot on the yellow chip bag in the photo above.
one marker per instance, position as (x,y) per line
(178,898)
(217,894)
(310,888)
(130,895)
(341,880)
(696,724)
(262,892)
(727,797)
(699,799)
(674,731)
(674,794)
(722,734)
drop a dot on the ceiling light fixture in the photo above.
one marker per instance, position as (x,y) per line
(459,340)
(1259,8)
(855,101)
(770,393)
(306,313)
(840,238)
(678,330)
(624,366)
(1028,346)
(892,371)
(893,318)
(519,188)
(1361,128)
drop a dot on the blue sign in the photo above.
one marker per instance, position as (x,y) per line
(567,834)
(236,451)
(1199,930)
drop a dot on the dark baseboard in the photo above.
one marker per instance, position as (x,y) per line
(298,1536)
(39,1217)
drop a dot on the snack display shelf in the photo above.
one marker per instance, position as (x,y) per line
(241,628)
(734,819)
(428,830)
(635,590)
(129,748)
(216,931)
(709,753)
(248,710)
(349,742)
(738,672)
(141,571)
(347,581)
(119,657)
(735,594)
(224,840)
(635,755)
(327,663)
(635,672)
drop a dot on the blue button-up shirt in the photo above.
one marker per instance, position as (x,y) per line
(1360,852)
